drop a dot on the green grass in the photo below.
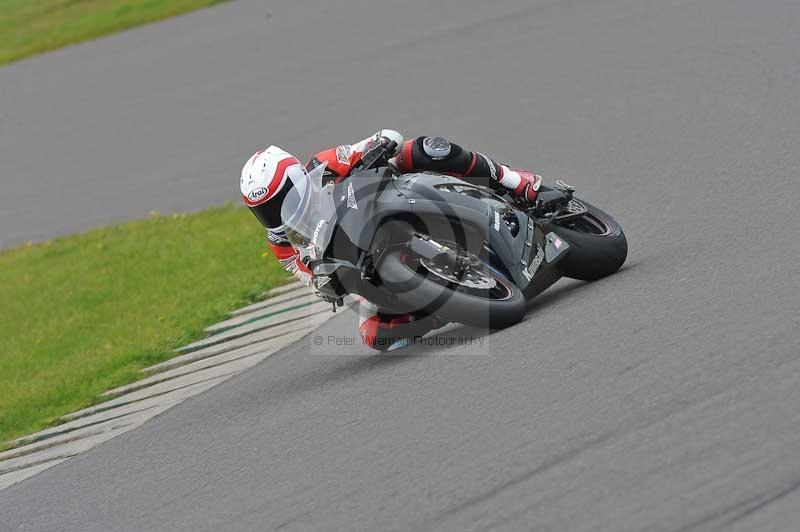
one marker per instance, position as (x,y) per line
(82,314)
(29,27)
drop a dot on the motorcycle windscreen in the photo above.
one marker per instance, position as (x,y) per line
(309,213)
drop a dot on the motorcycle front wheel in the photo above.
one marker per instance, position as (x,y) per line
(481,297)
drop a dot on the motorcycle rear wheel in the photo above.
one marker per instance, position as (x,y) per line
(598,246)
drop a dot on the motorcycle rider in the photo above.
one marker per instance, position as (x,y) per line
(267,177)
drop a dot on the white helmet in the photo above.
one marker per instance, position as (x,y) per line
(267,176)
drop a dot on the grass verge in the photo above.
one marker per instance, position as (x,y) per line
(82,314)
(29,27)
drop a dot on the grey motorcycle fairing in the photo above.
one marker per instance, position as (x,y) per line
(367,199)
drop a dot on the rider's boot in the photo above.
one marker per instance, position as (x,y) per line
(521,183)
(387,332)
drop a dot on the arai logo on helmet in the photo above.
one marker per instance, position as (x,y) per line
(254,195)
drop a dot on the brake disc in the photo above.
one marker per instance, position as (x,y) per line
(471,278)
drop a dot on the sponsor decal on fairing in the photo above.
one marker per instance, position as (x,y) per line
(351,197)
(315,235)
(537,260)
(321,280)
(343,154)
(535,263)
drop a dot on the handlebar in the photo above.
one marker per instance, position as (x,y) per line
(380,152)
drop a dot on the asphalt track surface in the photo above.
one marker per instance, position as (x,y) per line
(663,398)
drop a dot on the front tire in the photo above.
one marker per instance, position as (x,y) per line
(419,292)
(598,246)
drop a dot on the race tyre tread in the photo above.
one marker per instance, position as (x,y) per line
(592,257)
(422,294)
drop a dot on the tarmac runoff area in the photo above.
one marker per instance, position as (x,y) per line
(252,334)
(662,398)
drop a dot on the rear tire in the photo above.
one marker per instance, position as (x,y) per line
(592,256)
(419,293)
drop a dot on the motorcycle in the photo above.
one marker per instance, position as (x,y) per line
(434,244)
